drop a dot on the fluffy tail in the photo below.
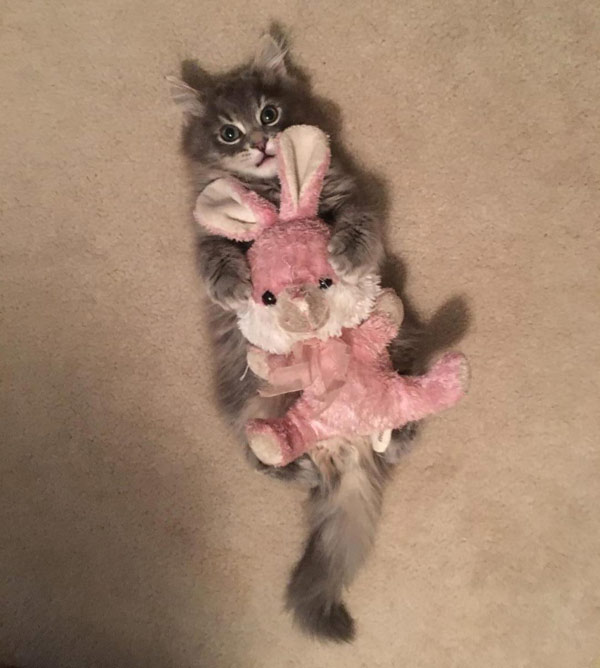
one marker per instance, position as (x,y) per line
(343,514)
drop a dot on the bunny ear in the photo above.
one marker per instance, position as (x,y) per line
(303,159)
(227,208)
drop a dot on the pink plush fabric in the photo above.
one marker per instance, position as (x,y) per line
(287,254)
(349,385)
(372,397)
(295,252)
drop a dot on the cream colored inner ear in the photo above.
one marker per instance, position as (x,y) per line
(304,150)
(220,208)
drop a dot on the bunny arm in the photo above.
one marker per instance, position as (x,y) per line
(262,363)
(283,373)
(370,339)
(390,304)
(226,207)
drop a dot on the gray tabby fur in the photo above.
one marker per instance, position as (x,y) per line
(346,487)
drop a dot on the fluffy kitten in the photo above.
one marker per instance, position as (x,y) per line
(230,123)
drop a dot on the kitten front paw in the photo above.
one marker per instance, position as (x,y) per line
(353,251)
(225,272)
(341,256)
(230,291)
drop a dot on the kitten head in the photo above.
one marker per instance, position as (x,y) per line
(232,119)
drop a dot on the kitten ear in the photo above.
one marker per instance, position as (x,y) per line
(227,208)
(270,56)
(185,97)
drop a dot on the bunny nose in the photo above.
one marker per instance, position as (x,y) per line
(299,298)
(297,293)
(304,308)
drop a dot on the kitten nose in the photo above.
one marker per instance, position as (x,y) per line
(258,140)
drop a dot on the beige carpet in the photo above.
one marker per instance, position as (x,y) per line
(132,532)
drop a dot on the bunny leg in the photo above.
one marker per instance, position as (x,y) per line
(370,339)
(440,388)
(278,441)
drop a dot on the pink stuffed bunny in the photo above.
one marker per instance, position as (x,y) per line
(311,329)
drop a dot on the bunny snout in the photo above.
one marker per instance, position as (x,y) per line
(303,308)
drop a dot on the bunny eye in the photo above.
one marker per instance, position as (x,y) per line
(269,298)
(325,283)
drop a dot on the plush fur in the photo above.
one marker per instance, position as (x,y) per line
(295,254)
(369,397)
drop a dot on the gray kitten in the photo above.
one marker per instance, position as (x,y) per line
(230,124)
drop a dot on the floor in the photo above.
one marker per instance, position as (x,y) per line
(133,532)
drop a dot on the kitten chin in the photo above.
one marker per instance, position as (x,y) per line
(241,166)
(350,302)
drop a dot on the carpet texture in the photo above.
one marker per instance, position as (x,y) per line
(132,531)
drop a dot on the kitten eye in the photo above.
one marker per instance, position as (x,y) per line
(269,115)
(269,298)
(230,133)
(325,283)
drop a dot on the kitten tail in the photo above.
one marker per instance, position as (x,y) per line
(343,513)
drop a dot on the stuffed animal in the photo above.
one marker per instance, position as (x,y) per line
(311,329)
